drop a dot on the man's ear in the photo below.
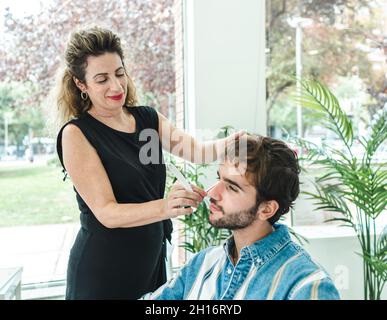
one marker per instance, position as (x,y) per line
(81,86)
(267,209)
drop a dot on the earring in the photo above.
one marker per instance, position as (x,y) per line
(84,95)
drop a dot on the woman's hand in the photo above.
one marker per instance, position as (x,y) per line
(222,144)
(180,201)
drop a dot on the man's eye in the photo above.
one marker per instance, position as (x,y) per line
(101,81)
(232,188)
(120,75)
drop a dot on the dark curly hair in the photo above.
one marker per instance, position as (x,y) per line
(271,166)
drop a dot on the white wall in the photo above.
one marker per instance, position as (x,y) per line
(335,249)
(225,65)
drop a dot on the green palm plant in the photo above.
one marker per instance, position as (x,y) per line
(352,186)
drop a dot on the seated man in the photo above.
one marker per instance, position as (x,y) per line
(259,260)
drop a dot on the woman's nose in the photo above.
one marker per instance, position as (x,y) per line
(115,85)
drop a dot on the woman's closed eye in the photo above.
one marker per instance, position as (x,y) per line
(101,80)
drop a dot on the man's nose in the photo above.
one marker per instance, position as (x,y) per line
(215,191)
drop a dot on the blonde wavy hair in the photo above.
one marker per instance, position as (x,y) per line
(83,43)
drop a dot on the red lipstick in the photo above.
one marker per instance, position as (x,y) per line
(117,97)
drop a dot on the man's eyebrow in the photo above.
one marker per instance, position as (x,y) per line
(105,73)
(231,182)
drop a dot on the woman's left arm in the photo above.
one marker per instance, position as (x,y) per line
(183,145)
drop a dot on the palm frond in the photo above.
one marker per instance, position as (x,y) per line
(347,222)
(378,134)
(329,198)
(340,156)
(346,179)
(327,177)
(312,151)
(319,98)
(378,265)
(300,239)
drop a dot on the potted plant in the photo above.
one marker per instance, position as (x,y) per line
(351,185)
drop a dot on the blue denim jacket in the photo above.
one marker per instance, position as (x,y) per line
(272,268)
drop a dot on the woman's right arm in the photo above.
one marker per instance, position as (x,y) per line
(92,183)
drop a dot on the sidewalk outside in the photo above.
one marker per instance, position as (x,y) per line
(42,251)
(14,163)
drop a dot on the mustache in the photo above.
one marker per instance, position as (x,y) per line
(214,202)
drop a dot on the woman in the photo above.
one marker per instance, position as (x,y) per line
(119,252)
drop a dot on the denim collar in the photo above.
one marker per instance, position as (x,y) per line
(265,248)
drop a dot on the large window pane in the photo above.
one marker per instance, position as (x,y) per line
(340,43)
(38,210)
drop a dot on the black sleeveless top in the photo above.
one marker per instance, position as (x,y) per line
(120,263)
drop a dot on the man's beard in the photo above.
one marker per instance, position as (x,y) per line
(235,220)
